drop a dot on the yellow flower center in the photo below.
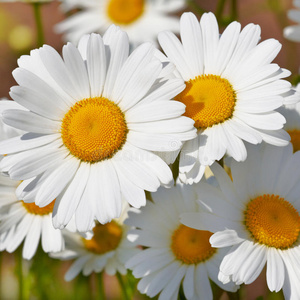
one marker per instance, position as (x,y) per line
(106,238)
(94,129)
(125,11)
(272,221)
(191,246)
(209,100)
(36,210)
(295,139)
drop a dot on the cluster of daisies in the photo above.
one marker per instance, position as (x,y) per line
(88,132)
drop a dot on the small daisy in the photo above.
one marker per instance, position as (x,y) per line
(293,32)
(175,253)
(24,221)
(256,214)
(232,90)
(92,120)
(292,114)
(141,19)
(107,250)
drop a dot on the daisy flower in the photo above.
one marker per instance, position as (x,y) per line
(24,221)
(92,120)
(107,250)
(293,32)
(141,19)
(232,90)
(175,253)
(292,114)
(257,215)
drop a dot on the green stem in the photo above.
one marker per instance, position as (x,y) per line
(19,271)
(195,7)
(234,10)
(219,10)
(39,24)
(100,284)
(124,289)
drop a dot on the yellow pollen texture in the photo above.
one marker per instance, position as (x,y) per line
(94,129)
(272,221)
(106,238)
(191,246)
(295,139)
(36,210)
(125,11)
(209,100)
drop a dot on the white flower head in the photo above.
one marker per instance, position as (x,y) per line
(141,19)
(257,215)
(107,250)
(292,115)
(21,221)
(175,253)
(293,32)
(93,121)
(232,90)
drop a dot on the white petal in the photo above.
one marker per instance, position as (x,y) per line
(26,141)
(76,268)
(106,194)
(191,38)
(52,240)
(210,33)
(225,238)
(139,84)
(155,111)
(96,64)
(189,282)
(56,181)
(117,50)
(33,237)
(39,98)
(173,284)
(202,284)
(58,71)
(71,197)
(36,162)
(76,67)
(275,270)
(175,52)
(29,121)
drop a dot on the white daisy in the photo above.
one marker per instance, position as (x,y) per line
(257,214)
(24,221)
(175,253)
(107,250)
(93,120)
(232,90)
(141,19)
(292,114)
(293,32)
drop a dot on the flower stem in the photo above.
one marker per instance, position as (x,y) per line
(100,285)
(219,10)
(195,7)
(39,24)
(19,271)
(124,289)
(234,10)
